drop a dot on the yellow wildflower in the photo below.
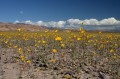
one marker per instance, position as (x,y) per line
(100,32)
(114,56)
(15,46)
(58,38)
(43,42)
(67,76)
(52,60)
(111,51)
(116,44)
(81,29)
(54,51)
(28,61)
(6,42)
(89,41)
(28,50)
(78,38)
(20,52)
(22,58)
(46,30)
(39,41)
(20,49)
(56,30)
(62,45)
(74,36)
(19,29)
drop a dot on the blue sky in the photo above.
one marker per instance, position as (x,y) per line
(55,10)
(62,13)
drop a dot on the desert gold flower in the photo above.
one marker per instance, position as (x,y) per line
(54,51)
(111,51)
(28,61)
(46,30)
(58,38)
(67,76)
(81,29)
(78,38)
(52,60)
(20,49)
(74,36)
(15,46)
(95,44)
(89,41)
(56,30)
(6,42)
(116,44)
(28,50)
(62,45)
(36,45)
(19,29)
(39,41)
(43,42)
(100,32)
(114,56)
(22,58)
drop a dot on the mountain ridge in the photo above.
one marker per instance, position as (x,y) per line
(30,27)
(25,27)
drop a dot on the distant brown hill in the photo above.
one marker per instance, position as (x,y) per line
(25,27)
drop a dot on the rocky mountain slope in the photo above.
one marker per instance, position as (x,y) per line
(25,27)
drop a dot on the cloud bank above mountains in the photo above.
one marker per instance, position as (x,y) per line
(109,23)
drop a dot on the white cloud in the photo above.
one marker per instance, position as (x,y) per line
(48,24)
(61,23)
(28,22)
(17,21)
(91,22)
(109,21)
(41,23)
(74,21)
(51,23)
(77,23)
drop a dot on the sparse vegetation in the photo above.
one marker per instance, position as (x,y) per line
(54,54)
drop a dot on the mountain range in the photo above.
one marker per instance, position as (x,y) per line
(30,27)
(26,27)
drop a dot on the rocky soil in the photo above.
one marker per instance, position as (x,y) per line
(12,69)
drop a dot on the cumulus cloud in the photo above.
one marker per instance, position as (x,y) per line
(17,21)
(51,23)
(41,23)
(78,23)
(28,22)
(91,22)
(57,24)
(109,21)
(74,21)
(86,21)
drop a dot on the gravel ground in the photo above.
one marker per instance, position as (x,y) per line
(11,69)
